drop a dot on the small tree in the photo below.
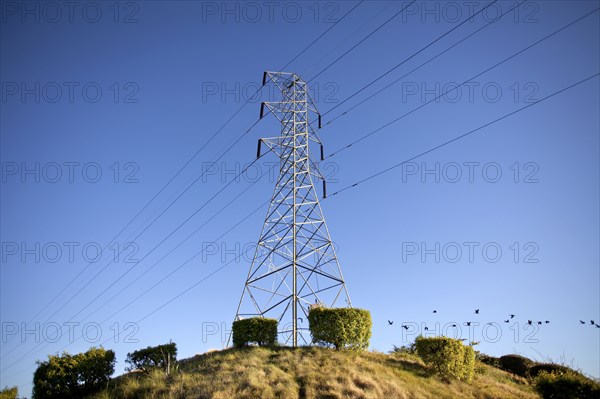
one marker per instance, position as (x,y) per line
(344,328)
(258,330)
(163,357)
(73,376)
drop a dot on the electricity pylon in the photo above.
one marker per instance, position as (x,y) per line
(295,263)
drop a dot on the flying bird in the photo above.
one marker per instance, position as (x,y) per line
(512,316)
(592,322)
(539,323)
(507,321)
(405,327)
(435,311)
(529,322)
(426,328)
(582,322)
(453,325)
(468,323)
(547,322)
(597,326)
(390,322)
(476,311)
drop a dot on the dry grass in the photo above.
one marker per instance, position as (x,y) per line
(311,373)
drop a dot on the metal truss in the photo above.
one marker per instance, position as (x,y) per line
(295,263)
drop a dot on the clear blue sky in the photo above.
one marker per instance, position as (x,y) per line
(176,71)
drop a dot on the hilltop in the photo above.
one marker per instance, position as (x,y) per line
(311,372)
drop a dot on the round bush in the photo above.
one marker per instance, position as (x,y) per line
(259,330)
(515,364)
(448,357)
(344,328)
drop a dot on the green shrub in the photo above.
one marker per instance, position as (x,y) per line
(9,393)
(161,357)
(259,330)
(516,364)
(567,385)
(448,357)
(344,328)
(536,369)
(73,376)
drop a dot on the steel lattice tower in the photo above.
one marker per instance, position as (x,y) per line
(295,263)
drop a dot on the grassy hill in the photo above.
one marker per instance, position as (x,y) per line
(311,372)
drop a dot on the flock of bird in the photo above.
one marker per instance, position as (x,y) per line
(591,322)
(511,316)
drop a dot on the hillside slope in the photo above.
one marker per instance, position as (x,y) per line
(311,372)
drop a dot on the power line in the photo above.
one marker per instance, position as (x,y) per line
(360,42)
(181,169)
(165,304)
(463,83)
(154,220)
(466,134)
(321,35)
(326,55)
(181,194)
(342,190)
(198,282)
(247,131)
(172,202)
(155,247)
(418,67)
(188,237)
(136,216)
(371,177)
(411,57)
(184,240)
(259,119)
(171,234)
(332,194)
(147,254)
(183,264)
